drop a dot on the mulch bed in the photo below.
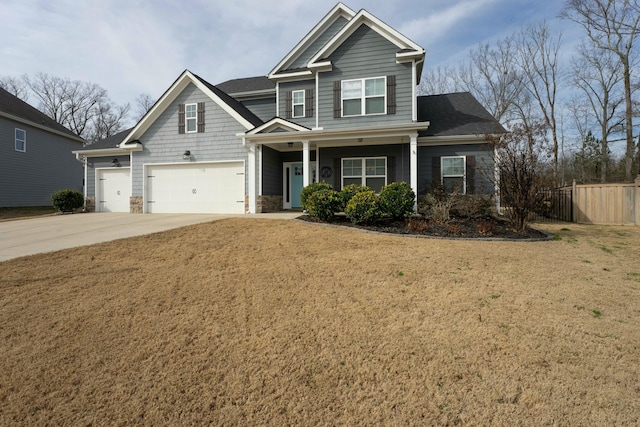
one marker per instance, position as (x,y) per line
(466,228)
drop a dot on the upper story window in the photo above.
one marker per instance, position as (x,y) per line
(191,118)
(454,179)
(364,96)
(297,105)
(21,140)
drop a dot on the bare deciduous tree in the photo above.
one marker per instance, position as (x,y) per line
(439,80)
(16,86)
(612,25)
(144,102)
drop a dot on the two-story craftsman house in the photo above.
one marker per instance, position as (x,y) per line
(341,107)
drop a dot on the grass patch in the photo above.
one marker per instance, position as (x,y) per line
(26,212)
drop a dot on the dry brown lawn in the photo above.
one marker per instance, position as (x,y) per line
(266,322)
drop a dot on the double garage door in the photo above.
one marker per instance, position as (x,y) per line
(195,188)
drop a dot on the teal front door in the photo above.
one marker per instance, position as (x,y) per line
(296,184)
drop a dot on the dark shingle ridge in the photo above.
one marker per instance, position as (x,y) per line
(247,84)
(11,104)
(457,113)
(109,142)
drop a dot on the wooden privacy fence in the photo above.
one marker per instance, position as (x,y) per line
(607,203)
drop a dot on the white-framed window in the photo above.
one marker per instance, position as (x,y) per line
(297,101)
(453,171)
(364,96)
(21,140)
(191,117)
(368,171)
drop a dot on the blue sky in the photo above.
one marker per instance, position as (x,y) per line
(135,46)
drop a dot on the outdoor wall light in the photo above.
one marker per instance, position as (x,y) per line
(290,144)
(186,155)
(115,163)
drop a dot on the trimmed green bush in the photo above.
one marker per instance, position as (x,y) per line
(397,200)
(323,203)
(348,191)
(67,200)
(364,207)
(310,189)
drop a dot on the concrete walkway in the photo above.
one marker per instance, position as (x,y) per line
(51,233)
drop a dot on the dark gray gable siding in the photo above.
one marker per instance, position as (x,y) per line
(163,144)
(264,108)
(307,85)
(29,178)
(429,165)
(366,54)
(305,56)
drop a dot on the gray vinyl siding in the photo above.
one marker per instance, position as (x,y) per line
(94,163)
(398,162)
(309,122)
(366,54)
(48,165)
(429,158)
(304,58)
(272,164)
(163,144)
(264,108)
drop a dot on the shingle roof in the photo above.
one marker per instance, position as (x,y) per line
(247,84)
(14,106)
(233,103)
(109,142)
(456,114)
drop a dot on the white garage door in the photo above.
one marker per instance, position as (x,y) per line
(195,188)
(113,190)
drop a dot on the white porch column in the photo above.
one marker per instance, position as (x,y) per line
(413,162)
(306,164)
(251,168)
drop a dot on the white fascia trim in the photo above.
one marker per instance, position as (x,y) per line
(169,96)
(334,134)
(364,17)
(298,75)
(103,152)
(41,127)
(256,94)
(276,122)
(339,10)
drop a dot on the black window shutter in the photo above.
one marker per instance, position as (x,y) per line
(436,179)
(471,174)
(337,174)
(337,101)
(180,118)
(200,117)
(391,94)
(288,104)
(391,170)
(308,103)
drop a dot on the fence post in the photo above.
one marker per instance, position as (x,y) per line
(636,201)
(573,202)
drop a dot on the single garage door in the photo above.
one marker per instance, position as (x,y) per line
(195,188)
(114,188)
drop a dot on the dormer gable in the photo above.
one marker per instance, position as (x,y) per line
(288,66)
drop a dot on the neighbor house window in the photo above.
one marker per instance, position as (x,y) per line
(191,117)
(371,172)
(298,103)
(364,96)
(453,174)
(21,140)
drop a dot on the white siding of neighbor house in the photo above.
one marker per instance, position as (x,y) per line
(29,178)
(366,54)
(163,144)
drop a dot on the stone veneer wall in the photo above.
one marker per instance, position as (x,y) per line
(135,205)
(90,204)
(269,204)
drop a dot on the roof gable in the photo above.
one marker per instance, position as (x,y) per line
(16,109)
(407,49)
(278,125)
(456,114)
(238,111)
(339,11)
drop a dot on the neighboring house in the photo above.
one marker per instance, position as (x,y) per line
(340,107)
(35,155)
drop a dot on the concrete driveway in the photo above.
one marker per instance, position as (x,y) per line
(51,233)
